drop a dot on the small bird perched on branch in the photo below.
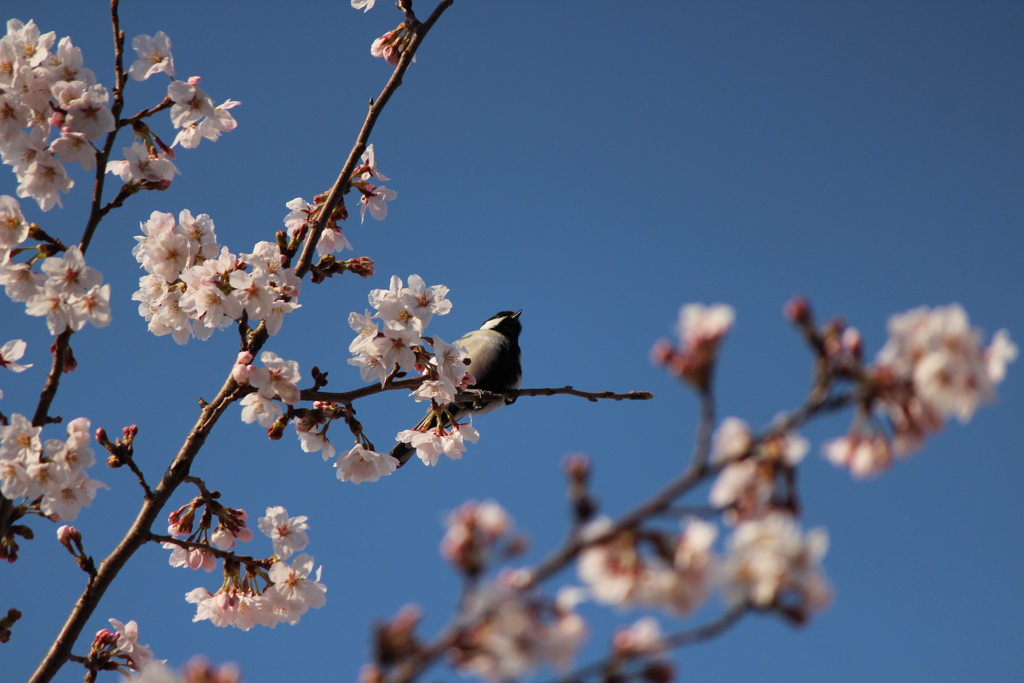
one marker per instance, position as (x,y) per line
(495,362)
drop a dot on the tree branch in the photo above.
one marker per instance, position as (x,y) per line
(694,474)
(136,536)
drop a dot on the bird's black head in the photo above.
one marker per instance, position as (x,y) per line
(506,322)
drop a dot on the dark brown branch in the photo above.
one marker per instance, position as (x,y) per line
(146,113)
(216,552)
(102,156)
(341,185)
(211,412)
(590,396)
(137,535)
(471,396)
(60,348)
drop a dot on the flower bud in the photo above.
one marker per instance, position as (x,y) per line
(576,465)
(362,266)
(658,672)
(67,534)
(797,310)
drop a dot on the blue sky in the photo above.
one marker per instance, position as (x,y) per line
(596,165)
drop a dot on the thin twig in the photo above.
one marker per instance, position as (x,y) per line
(146,113)
(341,185)
(60,349)
(206,548)
(103,155)
(471,396)
(668,642)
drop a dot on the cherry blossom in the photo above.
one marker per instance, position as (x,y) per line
(73,147)
(32,46)
(260,409)
(515,634)
(278,378)
(128,643)
(69,274)
(361,464)
(12,351)
(375,199)
(371,365)
(863,456)
(13,226)
(190,103)
(770,562)
(139,165)
(288,534)
(90,115)
(67,64)
(295,589)
(154,56)
(209,127)
(43,181)
(701,330)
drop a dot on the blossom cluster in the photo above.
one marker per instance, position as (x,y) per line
(67,291)
(288,591)
(40,90)
(45,87)
(618,571)
(49,474)
(513,633)
(474,531)
(769,562)
(405,313)
(372,198)
(198,670)
(932,368)
(194,287)
(120,647)
(701,330)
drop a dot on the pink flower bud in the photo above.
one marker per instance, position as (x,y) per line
(66,534)
(797,310)
(57,119)
(362,266)
(194,80)
(104,638)
(240,373)
(576,465)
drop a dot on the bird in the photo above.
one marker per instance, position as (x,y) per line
(495,362)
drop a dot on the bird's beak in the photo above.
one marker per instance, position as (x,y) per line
(516,314)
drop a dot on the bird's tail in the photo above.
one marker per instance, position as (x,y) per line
(403,451)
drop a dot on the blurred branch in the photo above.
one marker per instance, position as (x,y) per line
(557,560)
(668,642)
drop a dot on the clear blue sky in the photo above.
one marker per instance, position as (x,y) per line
(597,165)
